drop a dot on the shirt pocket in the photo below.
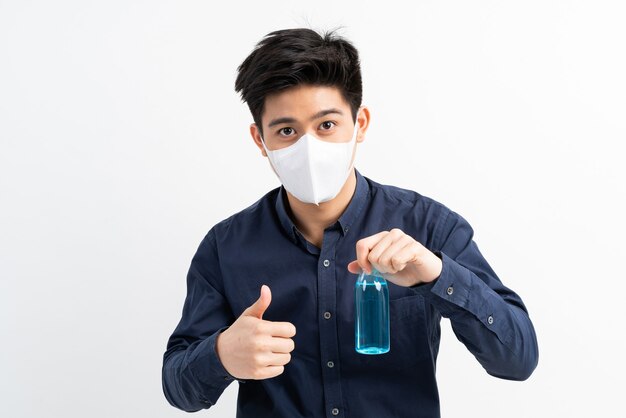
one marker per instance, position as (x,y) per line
(408,336)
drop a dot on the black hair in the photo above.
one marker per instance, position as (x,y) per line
(288,57)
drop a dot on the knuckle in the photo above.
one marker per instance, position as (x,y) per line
(256,344)
(257,374)
(262,345)
(257,359)
(258,328)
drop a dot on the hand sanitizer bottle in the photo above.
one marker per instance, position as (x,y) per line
(371,313)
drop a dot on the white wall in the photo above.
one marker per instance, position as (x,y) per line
(122,142)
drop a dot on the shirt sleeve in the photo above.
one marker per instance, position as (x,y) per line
(193,377)
(487,317)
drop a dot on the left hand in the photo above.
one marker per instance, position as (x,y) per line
(406,261)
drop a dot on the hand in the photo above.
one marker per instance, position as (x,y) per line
(406,261)
(253,348)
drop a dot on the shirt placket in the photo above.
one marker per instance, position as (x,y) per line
(327,314)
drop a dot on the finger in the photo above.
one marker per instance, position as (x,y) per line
(402,257)
(385,258)
(363,247)
(281,329)
(354,267)
(258,308)
(281,345)
(270,371)
(279,359)
(374,255)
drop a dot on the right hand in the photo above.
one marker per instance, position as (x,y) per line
(253,348)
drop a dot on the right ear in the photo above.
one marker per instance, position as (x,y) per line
(256,137)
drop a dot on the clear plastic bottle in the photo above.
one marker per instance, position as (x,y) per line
(371,320)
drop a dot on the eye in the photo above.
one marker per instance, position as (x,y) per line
(327,125)
(286,131)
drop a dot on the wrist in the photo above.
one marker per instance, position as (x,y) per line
(432,271)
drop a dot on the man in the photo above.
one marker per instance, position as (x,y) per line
(270,290)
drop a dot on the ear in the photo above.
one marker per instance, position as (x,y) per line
(363,119)
(256,137)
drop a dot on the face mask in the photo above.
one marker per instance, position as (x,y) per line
(313,170)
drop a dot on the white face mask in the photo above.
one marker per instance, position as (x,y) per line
(313,170)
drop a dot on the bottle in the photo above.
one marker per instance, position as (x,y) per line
(371,312)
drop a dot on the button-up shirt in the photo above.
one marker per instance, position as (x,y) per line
(313,289)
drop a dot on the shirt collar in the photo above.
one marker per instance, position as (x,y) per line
(347,218)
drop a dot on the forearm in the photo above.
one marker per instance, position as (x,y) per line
(514,357)
(493,325)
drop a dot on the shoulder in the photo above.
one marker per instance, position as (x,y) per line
(245,220)
(420,211)
(403,197)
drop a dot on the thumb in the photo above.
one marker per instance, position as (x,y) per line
(258,308)
(354,267)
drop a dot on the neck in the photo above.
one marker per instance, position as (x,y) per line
(312,219)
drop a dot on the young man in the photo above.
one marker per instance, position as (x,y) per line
(270,290)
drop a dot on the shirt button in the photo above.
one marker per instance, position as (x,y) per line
(335,411)
(346,229)
(327,315)
(449,290)
(490,320)
(330,364)
(326,263)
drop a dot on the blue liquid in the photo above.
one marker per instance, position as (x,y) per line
(371,314)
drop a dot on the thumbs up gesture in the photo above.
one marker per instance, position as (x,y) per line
(253,348)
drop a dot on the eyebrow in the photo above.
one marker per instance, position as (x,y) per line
(315,116)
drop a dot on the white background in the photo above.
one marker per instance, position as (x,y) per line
(122,142)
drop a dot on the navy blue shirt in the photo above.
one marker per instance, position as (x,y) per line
(313,289)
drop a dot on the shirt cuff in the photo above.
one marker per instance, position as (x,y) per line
(206,365)
(458,290)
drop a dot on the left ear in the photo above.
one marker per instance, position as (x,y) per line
(363,119)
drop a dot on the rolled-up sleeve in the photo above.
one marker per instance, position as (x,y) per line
(487,317)
(193,376)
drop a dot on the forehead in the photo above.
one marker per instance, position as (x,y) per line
(302,101)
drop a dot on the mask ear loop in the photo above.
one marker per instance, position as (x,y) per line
(354,135)
(356,122)
(263,142)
